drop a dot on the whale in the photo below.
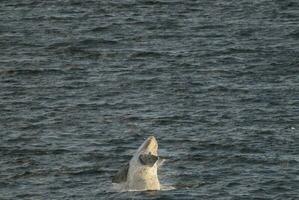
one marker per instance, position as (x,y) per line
(140,173)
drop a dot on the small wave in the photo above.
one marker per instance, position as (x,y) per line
(294,34)
(100,29)
(30,71)
(144,54)
(94,42)
(58,45)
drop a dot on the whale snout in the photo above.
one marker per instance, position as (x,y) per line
(152,140)
(150,145)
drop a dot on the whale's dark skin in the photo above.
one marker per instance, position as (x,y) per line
(121,175)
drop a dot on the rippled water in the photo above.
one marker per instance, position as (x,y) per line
(82,83)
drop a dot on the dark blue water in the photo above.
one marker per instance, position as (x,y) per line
(82,83)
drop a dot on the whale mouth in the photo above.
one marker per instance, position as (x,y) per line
(148,159)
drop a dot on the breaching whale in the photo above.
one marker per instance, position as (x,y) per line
(141,172)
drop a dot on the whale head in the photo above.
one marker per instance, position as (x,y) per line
(147,153)
(141,172)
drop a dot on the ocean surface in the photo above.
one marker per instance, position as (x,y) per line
(83,83)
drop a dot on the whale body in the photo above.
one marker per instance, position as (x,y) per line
(141,172)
